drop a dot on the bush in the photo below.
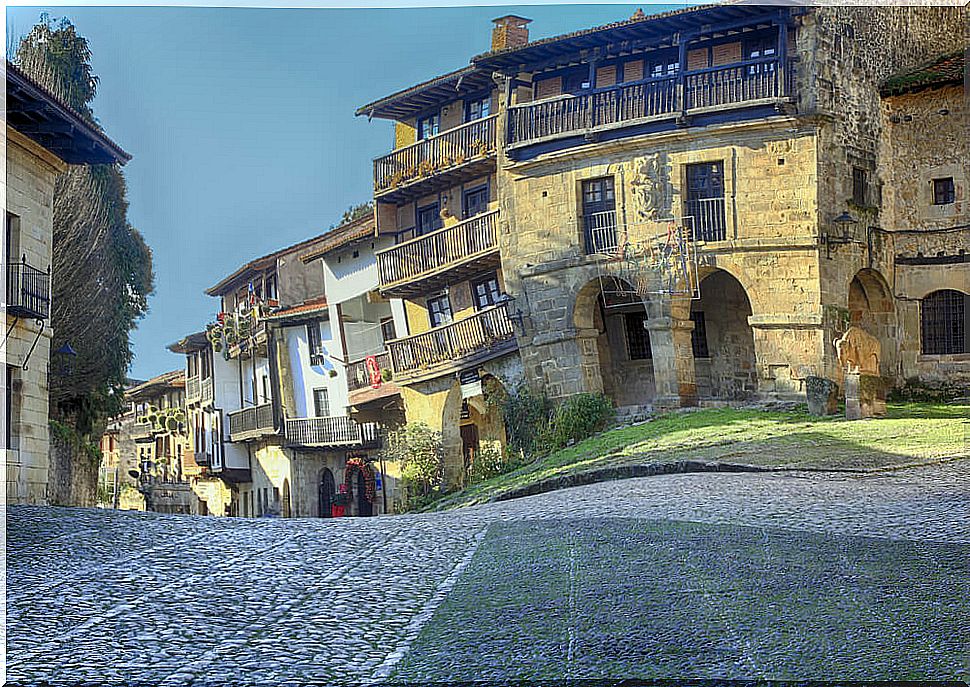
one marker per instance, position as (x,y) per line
(417,448)
(490,461)
(526,414)
(580,417)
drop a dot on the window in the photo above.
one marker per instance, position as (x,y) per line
(705,200)
(478,109)
(271,289)
(698,337)
(475,201)
(759,49)
(314,343)
(388,332)
(321,402)
(599,215)
(637,336)
(439,310)
(266,397)
(429,219)
(665,67)
(428,126)
(859,183)
(944,328)
(576,81)
(943,191)
(485,291)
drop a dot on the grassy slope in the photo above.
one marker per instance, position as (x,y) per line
(911,432)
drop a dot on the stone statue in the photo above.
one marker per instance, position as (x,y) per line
(651,187)
(858,351)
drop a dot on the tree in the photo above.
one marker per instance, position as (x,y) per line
(355,212)
(101,268)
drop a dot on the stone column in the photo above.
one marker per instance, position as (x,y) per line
(673,362)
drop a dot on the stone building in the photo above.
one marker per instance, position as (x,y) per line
(147,458)
(924,167)
(43,137)
(751,143)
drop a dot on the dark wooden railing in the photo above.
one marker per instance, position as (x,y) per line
(438,249)
(28,291)
(250,421)
(656,97)
(193,389)
(446,344)
(705,219)
(331,431)
(358,375)
(432,155)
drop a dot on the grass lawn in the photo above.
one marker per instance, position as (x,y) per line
(793,440)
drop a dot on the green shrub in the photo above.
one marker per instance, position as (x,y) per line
(418,450)
(580,417)
(526,414)
(490,461)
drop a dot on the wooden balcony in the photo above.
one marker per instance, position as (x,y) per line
(331,432)
(757,82)
(445,255)
(251,423)
(205,390)
(485,335)
(28,291)
(358,374)
(193,389)
(462,153)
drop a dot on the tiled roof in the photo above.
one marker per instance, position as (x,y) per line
(173,379)
(946,69)
(341,236)
(308,307)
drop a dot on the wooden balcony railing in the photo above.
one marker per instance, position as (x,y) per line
(28,291)
(193,389)
(251,422)
(331,431)
(437,250)
(479,335)
(205,390)
(667,96)
(453,148)
(358,374)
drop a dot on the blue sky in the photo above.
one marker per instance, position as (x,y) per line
(241,124)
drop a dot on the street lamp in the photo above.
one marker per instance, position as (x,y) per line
(511,311)
(844,233)
(64,358)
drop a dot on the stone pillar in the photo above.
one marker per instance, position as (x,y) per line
(673,362)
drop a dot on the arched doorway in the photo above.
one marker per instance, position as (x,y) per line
(614,344)
(285,509)
(481,421)
(722,339)
(359,478)
(871,307)
(326,493)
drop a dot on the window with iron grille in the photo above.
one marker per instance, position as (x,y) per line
(637,336)
(599,215)
(705,201)
(944,328)
(698,337)
(321,402)
(860,182)
(944,192)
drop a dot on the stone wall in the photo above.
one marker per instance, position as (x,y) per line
(73,476)
(31,171)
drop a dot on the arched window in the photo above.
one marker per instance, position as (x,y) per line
(944,323)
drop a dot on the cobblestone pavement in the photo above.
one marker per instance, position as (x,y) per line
(703,575)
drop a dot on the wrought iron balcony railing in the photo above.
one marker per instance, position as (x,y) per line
(331,431)
(450,149)
(438,251)
(28,291)
(599,232)
(704,218)
(251,423)
(484,335)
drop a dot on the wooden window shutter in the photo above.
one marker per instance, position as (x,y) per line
(697,59)
(633,71)
(728,53)
(606,76)
(548,88)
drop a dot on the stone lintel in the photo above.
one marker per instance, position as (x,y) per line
(785,321)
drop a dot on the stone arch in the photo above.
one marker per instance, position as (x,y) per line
(723,339)
(286,509)
(615,349)
(872,307)
(361,485)
(326,493)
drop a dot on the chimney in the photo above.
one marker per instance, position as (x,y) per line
(510,32)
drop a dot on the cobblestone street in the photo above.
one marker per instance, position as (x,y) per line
(704,575)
